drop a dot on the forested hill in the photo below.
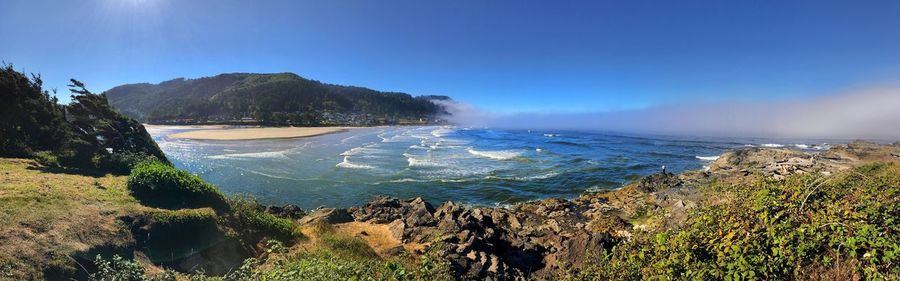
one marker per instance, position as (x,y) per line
(279,99)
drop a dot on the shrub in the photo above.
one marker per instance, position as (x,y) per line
(119,269)
(46,158)
(801,227)
(160,185)
(122,162)
(248,217)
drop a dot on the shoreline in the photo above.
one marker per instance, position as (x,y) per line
(259,133)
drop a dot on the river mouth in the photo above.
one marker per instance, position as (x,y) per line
(487,167)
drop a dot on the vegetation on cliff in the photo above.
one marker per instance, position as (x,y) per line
(53,225)
(87,133)
(842,227)
(274,99)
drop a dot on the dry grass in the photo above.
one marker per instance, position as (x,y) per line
(47,218)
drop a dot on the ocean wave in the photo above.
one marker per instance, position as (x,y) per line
(384,138)
(526,178)
(252,155)
(550,135)
(350,165)
(407,180)
(801,146)
(824,146)
(416,162)
(707,158)
(771,145)
(360,150)
(345,140)
(496,155)
(568,143)
(268,175)
(440,132)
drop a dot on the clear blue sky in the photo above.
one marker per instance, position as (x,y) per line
(506,56)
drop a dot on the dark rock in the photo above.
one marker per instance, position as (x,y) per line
(657,182)
(327,215)
(288,211)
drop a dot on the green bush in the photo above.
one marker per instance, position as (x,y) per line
(249,217)
(807,226)
(46,158)
(119,269)
(160,185)
(121,162)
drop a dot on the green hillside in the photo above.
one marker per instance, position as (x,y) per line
(273,99)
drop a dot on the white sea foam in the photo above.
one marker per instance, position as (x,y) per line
(422,162)
(350,165)
(345,140)
(407,180)
(550,135)
(268,175)
(440,132)
(496,155)
(802,146)
(707,158)
(253,155)
(368,148)
(527,178)
(538,149)
(771,145)
(824,146)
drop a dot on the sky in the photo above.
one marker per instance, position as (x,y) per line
(506,57)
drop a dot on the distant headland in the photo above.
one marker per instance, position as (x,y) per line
(279,99)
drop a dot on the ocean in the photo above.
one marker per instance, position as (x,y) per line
(474,166)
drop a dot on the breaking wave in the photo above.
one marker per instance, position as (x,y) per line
(707,158)
(350,165)
(252,155)
(496,155)
(419,162)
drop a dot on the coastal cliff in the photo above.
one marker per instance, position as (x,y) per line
(556,238)
(754,213)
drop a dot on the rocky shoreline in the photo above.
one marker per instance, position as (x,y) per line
(539,238)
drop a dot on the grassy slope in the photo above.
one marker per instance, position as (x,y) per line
(46,217)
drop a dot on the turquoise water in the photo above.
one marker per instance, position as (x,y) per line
(467,165)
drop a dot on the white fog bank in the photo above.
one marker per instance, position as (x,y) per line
(869,114)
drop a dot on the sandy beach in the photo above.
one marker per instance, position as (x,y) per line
(258,133)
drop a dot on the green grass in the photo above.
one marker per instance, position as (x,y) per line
(50,217)
(806,226)
(47,217)
(337,256)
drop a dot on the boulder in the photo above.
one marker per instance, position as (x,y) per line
(658,182)
(398,229)
(287,211)
(327,215)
